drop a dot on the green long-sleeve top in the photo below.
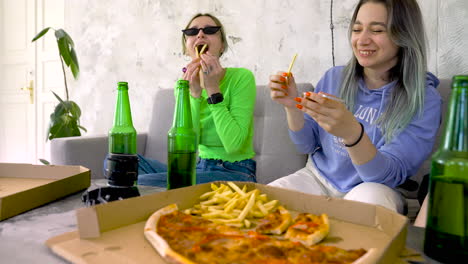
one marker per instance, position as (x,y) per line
(226,129)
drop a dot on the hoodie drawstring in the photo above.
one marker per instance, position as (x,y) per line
(382,100)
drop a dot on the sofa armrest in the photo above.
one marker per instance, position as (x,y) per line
(87,151)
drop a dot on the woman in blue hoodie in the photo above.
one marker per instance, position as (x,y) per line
(378,135)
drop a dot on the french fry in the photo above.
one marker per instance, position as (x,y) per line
(235,188)
(203,49)
(247,223)
(248,206)
(271,204)
(200,73)
(261,207)
(232,205)
(263,197)
(207,195)
(210,202)
(244,188)
(214,187)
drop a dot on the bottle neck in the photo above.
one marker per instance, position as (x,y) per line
(456,128)
(183,113)
(123,115)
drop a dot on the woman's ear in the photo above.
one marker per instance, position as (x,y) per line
(221,52)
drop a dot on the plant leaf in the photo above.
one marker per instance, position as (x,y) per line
(75,110)
(64,51)
(83,128)
(60,127)
(68,38)
(59,33)
(42,33)
(45,162)
(59,111)
(75,68)
(58,97)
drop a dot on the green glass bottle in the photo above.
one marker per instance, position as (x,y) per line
(121,167)
(181,142)
(446,237)
(122,136)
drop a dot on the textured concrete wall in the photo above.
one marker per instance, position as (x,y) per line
(139,41)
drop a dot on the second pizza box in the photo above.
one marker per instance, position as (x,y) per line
(113,232)
(26,186)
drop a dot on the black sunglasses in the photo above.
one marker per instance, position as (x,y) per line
(206,30)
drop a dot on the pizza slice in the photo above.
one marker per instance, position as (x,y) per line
(308,228)
(275,222)
(185,239)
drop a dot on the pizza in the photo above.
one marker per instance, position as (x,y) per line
(308,228)
(275,223)
(184,238)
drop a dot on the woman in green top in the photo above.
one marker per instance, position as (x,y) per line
(222,109)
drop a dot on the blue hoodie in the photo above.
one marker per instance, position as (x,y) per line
(395,161)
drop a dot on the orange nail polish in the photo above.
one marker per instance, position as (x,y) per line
(299,106)
(308,94)
(284,87)
(282,79)
(298,99)
(285,74)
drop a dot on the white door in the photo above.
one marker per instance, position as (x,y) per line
(28,72)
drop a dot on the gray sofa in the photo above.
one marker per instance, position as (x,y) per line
(276,155)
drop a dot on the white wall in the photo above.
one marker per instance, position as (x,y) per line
(139,41)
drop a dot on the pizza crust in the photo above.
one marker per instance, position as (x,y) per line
(158,242)
(366,258)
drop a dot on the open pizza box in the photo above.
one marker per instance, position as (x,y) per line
(113,232)
(26,186)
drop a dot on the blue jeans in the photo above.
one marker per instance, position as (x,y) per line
(154,173)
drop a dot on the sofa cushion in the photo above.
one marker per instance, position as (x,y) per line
(276,155)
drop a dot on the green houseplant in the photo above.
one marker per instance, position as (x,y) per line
(65,120)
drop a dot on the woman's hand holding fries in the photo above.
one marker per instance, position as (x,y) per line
(283,89)
(204,71)
(191,75)
(231,205)
(212,72)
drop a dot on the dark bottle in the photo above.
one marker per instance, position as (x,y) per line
(122,162)
(181,142)
(446,237)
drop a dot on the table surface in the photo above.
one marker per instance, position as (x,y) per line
(22,237)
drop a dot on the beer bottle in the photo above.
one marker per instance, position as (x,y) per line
(181,142)
(446,237)
(122,136)
(122,162)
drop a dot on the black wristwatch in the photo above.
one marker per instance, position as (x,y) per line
(215,98)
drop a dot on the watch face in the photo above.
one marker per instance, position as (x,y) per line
(215,98)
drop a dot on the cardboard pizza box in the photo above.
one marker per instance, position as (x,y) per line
(113,232)
(25,186)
